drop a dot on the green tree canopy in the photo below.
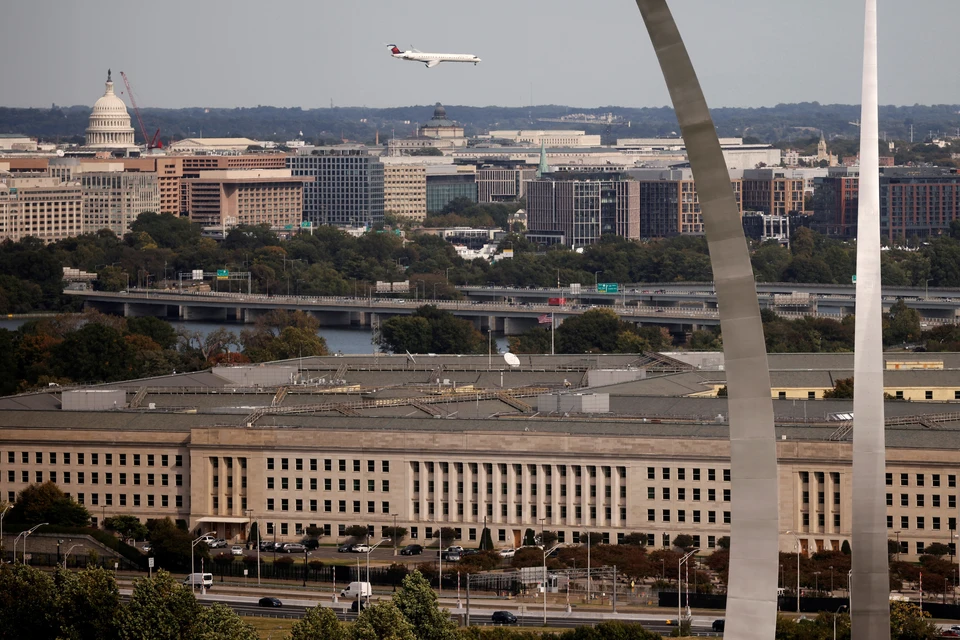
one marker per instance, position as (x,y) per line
(47,503)
(319,623)
(160,609)
(418,603)
(95,353)
(165,229)
(431,330)
(383,621)
(88,604)
(27,603)
(127,526)
(843,388)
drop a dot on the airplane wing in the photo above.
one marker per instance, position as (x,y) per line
(432,63)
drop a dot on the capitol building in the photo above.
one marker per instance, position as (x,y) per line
(109,126)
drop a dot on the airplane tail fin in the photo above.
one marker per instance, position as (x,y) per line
(394,49)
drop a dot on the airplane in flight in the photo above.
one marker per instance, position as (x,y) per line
(431,59)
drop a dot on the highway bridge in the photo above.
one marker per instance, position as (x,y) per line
(680,307)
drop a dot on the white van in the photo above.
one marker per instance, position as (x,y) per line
(357,590)
(204,580)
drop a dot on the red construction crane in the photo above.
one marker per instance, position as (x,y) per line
(152,143)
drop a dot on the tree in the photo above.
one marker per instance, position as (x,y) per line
(418,603)
(356,531)
(396,535)
(845,548)
(486,540)
(638,539)
(383,622)
(908,622)
(160,331)
(723,542)
(319,623)
(683,541)
(160,609)
(88,603)
(27,602)
(936,549)
(595,538)
(842,388)
(431,330)
(166,230)
(126,526)
(548,539)
(529,538)
(94,353)
(446,533)
(220,622)
(172,546)
(901,325)
(47,503)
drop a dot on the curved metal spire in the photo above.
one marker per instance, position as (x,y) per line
(871,613)
(752,587)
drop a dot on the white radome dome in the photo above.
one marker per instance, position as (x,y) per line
(109,125)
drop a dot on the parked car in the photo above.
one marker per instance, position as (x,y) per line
(147,548)
(237,549)
(293,547)
(455,549)
(270,602)
(718,624)
(411,550)
(451,556)
(361,548)
(503,617)
(507,553)
(345,548)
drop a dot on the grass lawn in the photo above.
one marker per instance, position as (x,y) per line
(271,628)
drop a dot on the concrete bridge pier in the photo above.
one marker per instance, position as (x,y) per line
(332,318)
(204,313)
(134,310)
(516,326)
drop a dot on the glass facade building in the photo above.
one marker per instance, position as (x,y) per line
(441,189)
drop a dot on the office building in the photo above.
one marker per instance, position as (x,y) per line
(39,207)
(447,183)
(914,201)
(346,187)
(405,187)
(583,206)
(534,137)
(503,182)
(776,192)
(227,198)
(669,204)
(762,227)
(113,199)
(659,465)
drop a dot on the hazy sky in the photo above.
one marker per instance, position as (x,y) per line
(589,53)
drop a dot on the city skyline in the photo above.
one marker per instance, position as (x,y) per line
(243,57)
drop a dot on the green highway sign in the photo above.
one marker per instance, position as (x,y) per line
(608,287)
(223,273)
(306,224)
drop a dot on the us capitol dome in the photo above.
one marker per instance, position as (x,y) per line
(109,126)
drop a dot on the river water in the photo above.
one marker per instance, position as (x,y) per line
(347,341)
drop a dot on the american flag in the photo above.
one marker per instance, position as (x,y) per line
(544,319)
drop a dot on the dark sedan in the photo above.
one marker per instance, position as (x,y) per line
(503,617)
(270,602)
(411,550)
(345,548)
(719,624)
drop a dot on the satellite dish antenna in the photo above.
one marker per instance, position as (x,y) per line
(511,359)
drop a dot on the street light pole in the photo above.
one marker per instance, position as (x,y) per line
(394,536)
(193,545)
(27,533)
(544,550)
(842,607)
(798,567)
(680,564)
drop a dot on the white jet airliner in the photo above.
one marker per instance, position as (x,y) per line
(431,59)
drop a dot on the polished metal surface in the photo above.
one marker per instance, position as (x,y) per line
(752,587)
(870,581)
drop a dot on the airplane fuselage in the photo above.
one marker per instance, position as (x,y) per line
(433,59)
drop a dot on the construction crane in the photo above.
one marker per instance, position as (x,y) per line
(154,142)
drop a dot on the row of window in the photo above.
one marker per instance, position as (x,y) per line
(921,523)
(681,474)
(327,465)
(920,500)
(920,479)
(107,501)
(95,458)
(94,476)
(328,484)
(313,505)
(681,514)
